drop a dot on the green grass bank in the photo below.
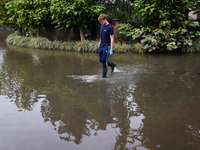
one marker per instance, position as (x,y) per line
(76,46)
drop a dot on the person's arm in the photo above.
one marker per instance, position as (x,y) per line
(99,44)
(111,41)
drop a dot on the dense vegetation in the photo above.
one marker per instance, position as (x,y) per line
(78,46)
(62,14)
(165,26)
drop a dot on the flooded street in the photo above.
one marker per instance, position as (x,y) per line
(56,100)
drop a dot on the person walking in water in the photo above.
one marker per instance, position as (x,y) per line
(106,44)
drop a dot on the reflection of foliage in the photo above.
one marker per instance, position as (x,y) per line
(70,106)
(127,134)
(12,85)
(73,109)
(26,98)
(71,118)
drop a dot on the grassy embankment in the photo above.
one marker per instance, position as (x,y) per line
(78,46)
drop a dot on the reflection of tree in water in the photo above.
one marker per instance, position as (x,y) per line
(125,108)
(13,84)
(66,118)
(25,97)
(70,117)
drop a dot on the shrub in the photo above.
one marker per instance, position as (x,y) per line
(37,43)
(13,39)
(163,39)
(67,46)
(86,46)
(23,42)
(79,46)
(123,48)
(54,45)
(139,48)
(118,37)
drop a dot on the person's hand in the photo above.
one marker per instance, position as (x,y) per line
(111,52)
(98,46)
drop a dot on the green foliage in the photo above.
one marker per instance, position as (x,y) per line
(67,46)
(118,37)
(54,45)
(123,48)
(153,12)
(28,13)
(139,48)
(85,46)
(37,43)
(163,38)
(3,12)
(13,39)
(78,46)
(120,9)
(8,11)
(31,42)
(195,47)
(66,14)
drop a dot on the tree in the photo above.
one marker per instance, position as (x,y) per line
(81,13)
(121,9)
(30,13)
(167,27)
(153,12)
(4,15)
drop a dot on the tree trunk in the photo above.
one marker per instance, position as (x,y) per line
(81,33)
(38,33)
(20,31)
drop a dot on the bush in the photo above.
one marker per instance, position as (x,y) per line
(79,46)
(37,43)
(23,42)
(86,46)
(139,48)
(53,45)
(13,39)
(123,48)
(67,46)
(119,37)
(164,39)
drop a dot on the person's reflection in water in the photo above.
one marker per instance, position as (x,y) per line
(106,108)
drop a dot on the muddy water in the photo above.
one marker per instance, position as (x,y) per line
(55,100)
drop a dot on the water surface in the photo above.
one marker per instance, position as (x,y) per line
(57,100)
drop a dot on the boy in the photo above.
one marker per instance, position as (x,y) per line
(106,44)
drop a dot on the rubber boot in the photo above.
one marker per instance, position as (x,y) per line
(104,72)
(112,65)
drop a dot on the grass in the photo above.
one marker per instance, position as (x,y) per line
(139,48)
(67,46)
(195,48)
(123,48)
(86,46)
(54,45)
(78,46)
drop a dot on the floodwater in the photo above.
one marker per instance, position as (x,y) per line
(57,101)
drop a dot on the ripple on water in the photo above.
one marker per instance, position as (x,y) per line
(86,78)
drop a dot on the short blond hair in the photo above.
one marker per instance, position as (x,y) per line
(102,17)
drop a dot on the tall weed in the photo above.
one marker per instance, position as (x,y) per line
(139,48)
(54,45)
(67,46)
(123,48)
(37,43)
(86,46)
